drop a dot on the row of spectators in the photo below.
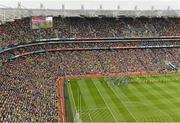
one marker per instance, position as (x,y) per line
(28,89)
(75,27)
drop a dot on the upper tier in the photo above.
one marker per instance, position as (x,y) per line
(20,31)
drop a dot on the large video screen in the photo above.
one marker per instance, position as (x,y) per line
(41,22)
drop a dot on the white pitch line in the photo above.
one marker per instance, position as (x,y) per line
(72,97)
(156,108)
(125,106)
(90,116)
(105,102)
(94,109)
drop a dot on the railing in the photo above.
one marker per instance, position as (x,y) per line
(89,49)
(89,40)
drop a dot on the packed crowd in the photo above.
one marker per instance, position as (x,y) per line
(28,84)
(75,27)
(101,61)
(28,95)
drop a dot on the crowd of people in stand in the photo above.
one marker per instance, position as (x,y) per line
(20,31)
(28,83)
(28,95)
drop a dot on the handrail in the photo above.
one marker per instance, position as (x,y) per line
(83,41)
(89,49)
(101,39)
(109,38)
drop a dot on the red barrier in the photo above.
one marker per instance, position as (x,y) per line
(115,74)
(175,37)
(61,101)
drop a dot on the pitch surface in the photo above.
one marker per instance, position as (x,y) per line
(146,98)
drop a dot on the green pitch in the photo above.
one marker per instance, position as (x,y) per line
(145,98)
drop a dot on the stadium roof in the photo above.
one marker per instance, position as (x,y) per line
(94,4)
(13,9)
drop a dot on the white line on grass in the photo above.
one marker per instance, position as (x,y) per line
(72,98)
(105,102)
(90,116)
(94,109)
(155,108)
(86,94)
(124,106)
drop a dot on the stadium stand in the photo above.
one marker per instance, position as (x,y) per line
(28,88)
(20,31)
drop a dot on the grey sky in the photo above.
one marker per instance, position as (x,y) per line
(94,4)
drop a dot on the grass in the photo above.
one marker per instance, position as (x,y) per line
(147,98)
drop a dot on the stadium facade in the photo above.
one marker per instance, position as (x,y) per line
(9,14)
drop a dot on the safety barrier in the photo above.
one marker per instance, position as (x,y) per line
(98,75)
(61,101)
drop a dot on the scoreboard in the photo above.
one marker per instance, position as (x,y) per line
(41,22)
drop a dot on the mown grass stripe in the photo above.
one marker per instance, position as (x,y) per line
(72,101)
(86,94)
(169,88)
(154,97)
(125,106)
(97,97)
(157,99)
(76,91)
(100,105)
(136,103)
(167,96)
(170,83)
(160,92)
(121,107)
(115,100)
(109,104)
(173,99)
(149,98)
(139,88)
(154,102)
(130,94)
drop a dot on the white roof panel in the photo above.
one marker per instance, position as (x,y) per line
(95,4)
